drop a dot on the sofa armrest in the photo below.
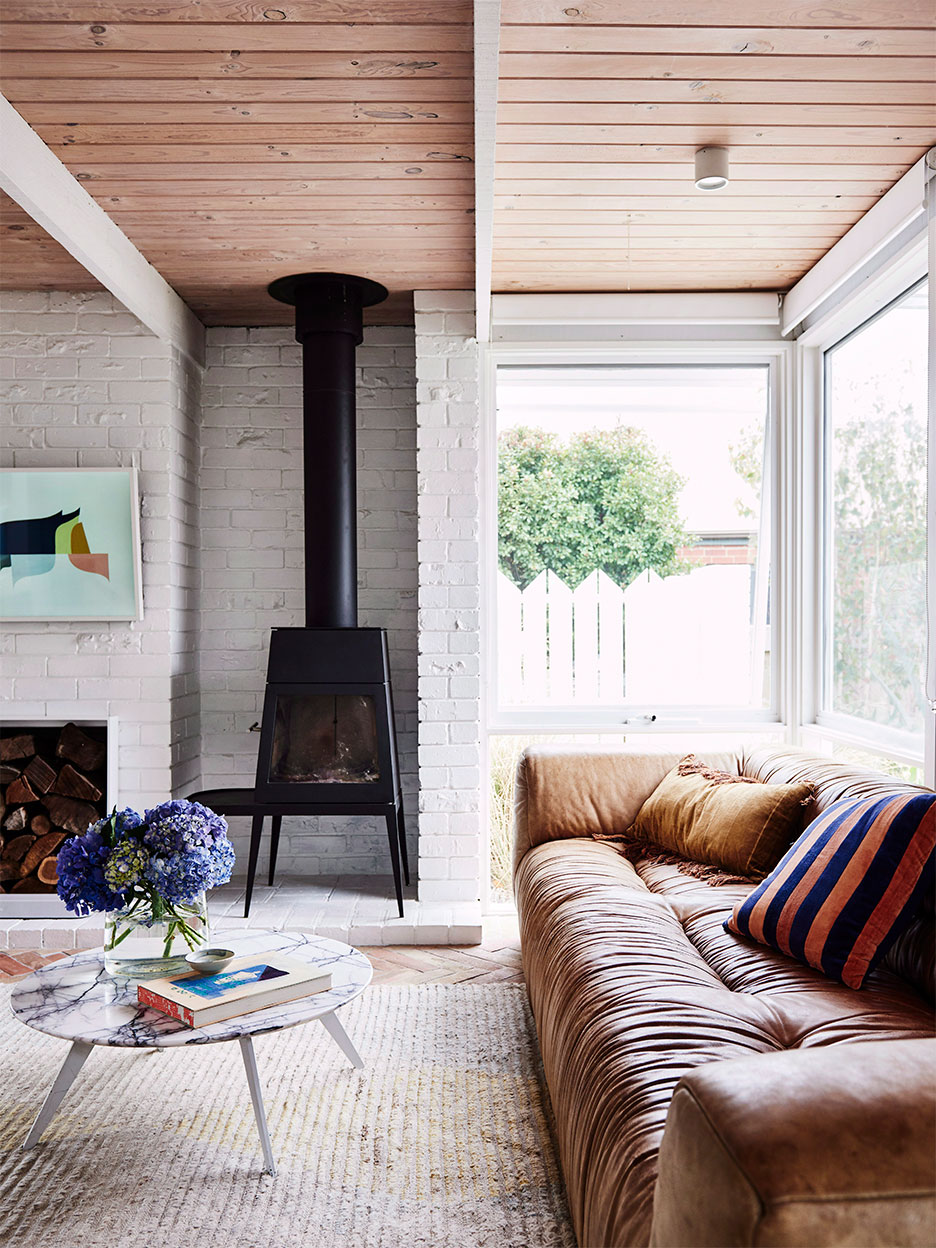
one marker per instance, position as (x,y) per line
(825,1146)
(564,792)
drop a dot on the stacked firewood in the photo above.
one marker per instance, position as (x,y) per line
(52,784)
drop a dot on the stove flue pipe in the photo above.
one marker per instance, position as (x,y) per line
(329,324)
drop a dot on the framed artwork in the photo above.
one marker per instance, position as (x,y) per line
(70,544)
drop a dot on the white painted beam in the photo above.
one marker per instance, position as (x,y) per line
(33,175)
(895,210)
(638,308)
(486,51)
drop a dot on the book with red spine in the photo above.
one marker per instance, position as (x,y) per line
(246,984)
(156,1002)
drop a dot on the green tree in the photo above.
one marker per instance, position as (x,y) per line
(878,501)
(747,459)
(878,556)
(606,499)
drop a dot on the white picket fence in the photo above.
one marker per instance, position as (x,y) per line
(674,640)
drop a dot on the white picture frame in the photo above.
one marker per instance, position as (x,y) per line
(70,544)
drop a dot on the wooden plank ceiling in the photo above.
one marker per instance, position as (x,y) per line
(235,142)
(603,104)
(30,259)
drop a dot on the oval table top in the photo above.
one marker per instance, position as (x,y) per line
(77,999)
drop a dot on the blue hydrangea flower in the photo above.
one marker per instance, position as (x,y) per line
(222,862)
(180,877)
(82,884)
(125,864)
(190,850)
(175,827)
(177,851)
(126,821)
(117,826)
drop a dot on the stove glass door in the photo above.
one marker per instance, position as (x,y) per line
(325,738)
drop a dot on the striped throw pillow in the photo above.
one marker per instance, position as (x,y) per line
(848,887)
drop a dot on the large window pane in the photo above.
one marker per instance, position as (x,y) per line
(876,519)
(634,537)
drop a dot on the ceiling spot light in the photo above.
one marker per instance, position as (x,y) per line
(711,168)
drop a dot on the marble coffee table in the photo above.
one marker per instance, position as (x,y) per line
(79,1001)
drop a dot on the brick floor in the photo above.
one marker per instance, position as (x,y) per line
(24,962)
(495,961)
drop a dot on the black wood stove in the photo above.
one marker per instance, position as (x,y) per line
(327,738)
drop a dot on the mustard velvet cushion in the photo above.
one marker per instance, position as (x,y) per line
(732,822)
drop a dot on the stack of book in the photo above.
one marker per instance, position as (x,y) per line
(245,985)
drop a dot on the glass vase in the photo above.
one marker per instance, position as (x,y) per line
(149,939)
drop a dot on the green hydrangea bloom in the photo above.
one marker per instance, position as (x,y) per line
(125,865)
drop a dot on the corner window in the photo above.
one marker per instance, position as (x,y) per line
(875,528)
(634,531)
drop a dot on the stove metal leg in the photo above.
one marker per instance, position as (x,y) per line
(394,839)
(256,832)
(342,1039)
(76,1057)
(274,844)
(256,1096)
(401,830)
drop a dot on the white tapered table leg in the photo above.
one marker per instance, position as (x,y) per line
(342,1039)
(256,1096)
(75,1059)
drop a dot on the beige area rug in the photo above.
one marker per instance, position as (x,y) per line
(444,1140)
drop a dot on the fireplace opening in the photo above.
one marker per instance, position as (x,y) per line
(53,784)
(325,738)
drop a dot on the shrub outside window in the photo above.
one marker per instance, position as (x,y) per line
(874,645)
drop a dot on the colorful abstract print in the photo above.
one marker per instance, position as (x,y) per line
(849,886)
(31,547)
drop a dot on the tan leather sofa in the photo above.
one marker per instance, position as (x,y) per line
(708,1091)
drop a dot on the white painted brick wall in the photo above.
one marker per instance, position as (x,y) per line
(84,384)
(182,509)
(250,494)
(447,441)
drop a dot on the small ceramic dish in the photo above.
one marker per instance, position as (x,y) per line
(209,961)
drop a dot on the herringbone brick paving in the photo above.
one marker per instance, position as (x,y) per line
(495,961)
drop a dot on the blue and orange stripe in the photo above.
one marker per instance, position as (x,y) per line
(853,881)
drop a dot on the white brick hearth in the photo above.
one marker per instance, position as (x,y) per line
(353,908)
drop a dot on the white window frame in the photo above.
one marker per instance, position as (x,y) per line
(878,259)
(816,724)
(776,357)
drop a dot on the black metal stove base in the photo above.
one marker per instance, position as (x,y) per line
(245,802)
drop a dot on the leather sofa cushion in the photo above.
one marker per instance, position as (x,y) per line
(563,791)
(798,1148)
(913,955)
(742,826)
(633,989)
(831,781)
